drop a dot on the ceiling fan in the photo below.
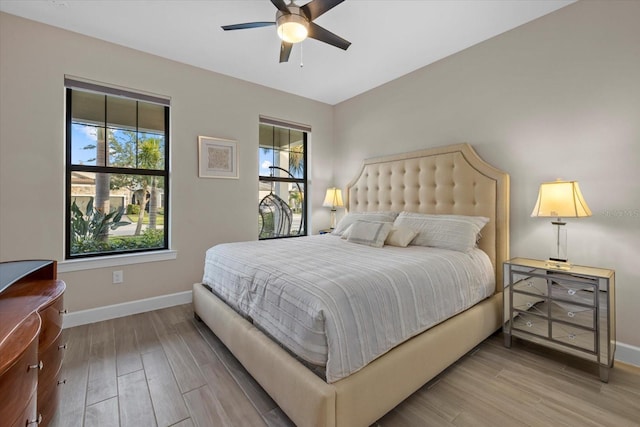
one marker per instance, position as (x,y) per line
(294,24)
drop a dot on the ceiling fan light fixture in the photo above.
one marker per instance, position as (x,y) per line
(292,28)
(296,23)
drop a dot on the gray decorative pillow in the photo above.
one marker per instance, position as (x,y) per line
(400,236)
(370,233)
(455,232)
(350,218)
(345,235)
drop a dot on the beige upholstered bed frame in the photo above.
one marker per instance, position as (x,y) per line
(450,179)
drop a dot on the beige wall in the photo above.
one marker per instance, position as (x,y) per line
(558,97)
(33,61)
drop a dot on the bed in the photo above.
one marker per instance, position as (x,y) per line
(444,180)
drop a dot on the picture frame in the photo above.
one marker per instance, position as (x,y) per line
(217,158)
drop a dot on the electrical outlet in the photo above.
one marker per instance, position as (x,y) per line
(118,276)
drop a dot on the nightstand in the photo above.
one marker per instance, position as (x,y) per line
(572,311)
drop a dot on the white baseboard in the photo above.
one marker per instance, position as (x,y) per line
(628,354)
(92,315)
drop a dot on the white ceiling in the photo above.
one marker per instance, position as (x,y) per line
(389,38)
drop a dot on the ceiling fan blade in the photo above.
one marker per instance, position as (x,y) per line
(326,36)
(282,6)
(285,51)
(315,8)
(247,25)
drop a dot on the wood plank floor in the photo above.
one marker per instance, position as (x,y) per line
(163,368)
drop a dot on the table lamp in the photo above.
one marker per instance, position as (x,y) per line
(560,199)
(333,200)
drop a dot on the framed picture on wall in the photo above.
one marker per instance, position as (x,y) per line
(217,158)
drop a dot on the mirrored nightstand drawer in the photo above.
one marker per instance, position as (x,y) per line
(573,292)
(532,324)
(531,285)
(531,303)
(576,314)
(574,336)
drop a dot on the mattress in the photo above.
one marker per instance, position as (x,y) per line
(338,304)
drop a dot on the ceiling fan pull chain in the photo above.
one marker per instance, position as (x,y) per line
(301,63)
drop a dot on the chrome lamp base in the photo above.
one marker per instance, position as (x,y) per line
(558,264)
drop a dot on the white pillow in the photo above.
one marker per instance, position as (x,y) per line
(455,232)
(350,218)
(400,236)
(345,235)
(370,233)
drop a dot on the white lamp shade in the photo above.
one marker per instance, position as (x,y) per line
(333,198)
(560,199)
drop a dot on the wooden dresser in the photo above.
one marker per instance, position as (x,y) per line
(31,342)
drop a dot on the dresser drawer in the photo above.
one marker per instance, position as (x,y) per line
(536,325)
(531,303)
(531,285)
(51,361)
(575,293)
(48,400)
(575,314)
(29,416)
(51,322)
(18,383)
(577,337)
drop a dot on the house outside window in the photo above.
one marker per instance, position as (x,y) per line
(282,204)
(117,171)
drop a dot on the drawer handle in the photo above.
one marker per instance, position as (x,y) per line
(529,323)
(529,305)
(36,421)
(571,314)
(571,291)
(64,381)
(572,336)
(530,284)
(38,366)
(63,311)
(62,347)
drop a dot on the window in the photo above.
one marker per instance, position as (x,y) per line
(282,176)
(117,171)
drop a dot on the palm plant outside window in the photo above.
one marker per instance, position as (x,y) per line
(282,182)
(117,173)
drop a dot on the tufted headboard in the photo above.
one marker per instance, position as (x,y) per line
(443,180)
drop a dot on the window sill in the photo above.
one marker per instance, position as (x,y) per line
(115,260)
